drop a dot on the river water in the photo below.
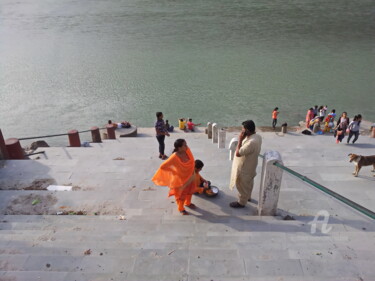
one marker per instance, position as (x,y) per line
(73,64)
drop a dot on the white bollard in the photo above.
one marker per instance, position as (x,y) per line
(209,130)
(214,133)
(270,184)
(222,136)
(232,147)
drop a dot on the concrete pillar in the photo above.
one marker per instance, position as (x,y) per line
(3,148)
(14,149)
(232,147)
(214,133)
(209,130)
(284,129)
(74,140)
(222,137)
(111,131)
(95,134)
(270,184)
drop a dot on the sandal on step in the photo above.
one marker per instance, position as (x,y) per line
(184,213)
(236,205)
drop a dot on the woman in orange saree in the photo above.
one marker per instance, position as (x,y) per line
(178,173)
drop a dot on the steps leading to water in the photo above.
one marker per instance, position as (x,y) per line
(138,234)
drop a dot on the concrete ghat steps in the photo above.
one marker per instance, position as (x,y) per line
(154,242)
(144,247)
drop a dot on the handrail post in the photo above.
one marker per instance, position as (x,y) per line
(232,147)
(222,138)
(3,148)
(270,184)
(95,134)
(74,140)
(214,133)
(111,131)
(15,151)
(209,130)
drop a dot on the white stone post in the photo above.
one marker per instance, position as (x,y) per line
(222,137)
(232,147)
(209,130)
(214,133)
(270,184)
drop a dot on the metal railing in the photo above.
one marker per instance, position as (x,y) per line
(326,190)
(56,135)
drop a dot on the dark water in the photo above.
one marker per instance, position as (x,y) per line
(74,64)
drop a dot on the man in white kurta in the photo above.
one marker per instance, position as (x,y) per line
(245,163)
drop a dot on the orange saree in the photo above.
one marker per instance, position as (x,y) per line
(177,175)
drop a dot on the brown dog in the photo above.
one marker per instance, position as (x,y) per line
(361,161)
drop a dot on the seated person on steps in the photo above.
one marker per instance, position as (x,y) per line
(168,126)
(191,125)
(200,183)
(182,123)
(123,124)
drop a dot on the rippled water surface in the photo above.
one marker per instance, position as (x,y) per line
(75,64)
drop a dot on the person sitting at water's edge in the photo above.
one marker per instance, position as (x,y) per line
(169,127)
(191,125)
(123,124)
(182,124)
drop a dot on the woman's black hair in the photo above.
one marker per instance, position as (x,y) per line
(158,114)
(178,143)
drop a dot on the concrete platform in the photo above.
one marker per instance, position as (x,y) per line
(134,232)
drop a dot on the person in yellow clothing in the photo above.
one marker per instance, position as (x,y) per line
(178,173)
(182,124)
(200,183)
(245,163)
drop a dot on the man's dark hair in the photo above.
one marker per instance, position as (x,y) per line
(249,125)
(198,164)
(158,114)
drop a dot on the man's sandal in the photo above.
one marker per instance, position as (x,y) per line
(236,205)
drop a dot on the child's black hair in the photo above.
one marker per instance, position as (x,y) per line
(198,164)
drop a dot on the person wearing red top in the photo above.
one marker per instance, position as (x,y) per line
(309,116)
(191,125)
(274,117)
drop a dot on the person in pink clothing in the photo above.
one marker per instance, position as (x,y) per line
(191,125)
(309,116)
